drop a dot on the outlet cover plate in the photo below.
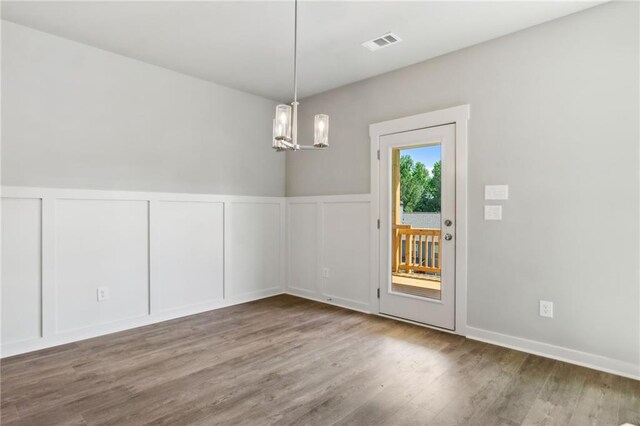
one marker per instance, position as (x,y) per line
(103,294)
(546,309)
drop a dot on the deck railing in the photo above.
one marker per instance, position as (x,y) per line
(416,249)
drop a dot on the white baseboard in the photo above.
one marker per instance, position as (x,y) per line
(559,353)
(572,356)
(17,348)
(336,301)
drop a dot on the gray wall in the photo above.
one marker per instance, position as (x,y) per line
(78,117)
(554,114)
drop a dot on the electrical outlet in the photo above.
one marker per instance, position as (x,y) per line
(546,309)
(325,272)
(103,294)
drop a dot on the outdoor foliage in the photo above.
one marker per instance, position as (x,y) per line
(419,189)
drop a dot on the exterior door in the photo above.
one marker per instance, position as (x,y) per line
(417,225)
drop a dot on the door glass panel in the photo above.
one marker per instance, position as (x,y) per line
(415,221)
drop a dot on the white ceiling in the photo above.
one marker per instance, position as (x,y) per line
(248,45)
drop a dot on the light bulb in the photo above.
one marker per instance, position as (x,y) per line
(274,142)
(321,131)
(283,119)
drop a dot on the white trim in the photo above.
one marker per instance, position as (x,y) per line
(453,115)
(320,293)
(154,295)
(283,248)
(572,356)
(350,198)
(226,251)
(17,348)
(456,115)
(50,339)
(98,194)
(330,300)
(48,267)
(50,336)
(288,284)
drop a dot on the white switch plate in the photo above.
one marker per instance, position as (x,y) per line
(325,272)
(492,212)
(496,192)
(103,294)
(546,309)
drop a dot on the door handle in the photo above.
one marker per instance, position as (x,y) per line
(448,237)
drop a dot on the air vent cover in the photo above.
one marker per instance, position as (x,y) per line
(383,41)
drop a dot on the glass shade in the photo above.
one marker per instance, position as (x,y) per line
(274,142)
(321,131)
(282,122)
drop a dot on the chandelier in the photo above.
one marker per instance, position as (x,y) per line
(285,125)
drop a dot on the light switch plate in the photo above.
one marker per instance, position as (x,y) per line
(496,192)
(492,212)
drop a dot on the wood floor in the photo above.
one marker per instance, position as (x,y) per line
(286,360)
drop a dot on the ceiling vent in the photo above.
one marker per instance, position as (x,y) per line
(383,41)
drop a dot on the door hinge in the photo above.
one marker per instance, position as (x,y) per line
(378,154)
(378,223)
(378,292)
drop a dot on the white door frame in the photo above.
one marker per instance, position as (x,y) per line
(456,115)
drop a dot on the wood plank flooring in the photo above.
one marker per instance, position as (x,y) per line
(286,360)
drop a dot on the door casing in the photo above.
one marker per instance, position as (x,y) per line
(459,116)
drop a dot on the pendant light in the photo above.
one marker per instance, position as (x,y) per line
(285,124)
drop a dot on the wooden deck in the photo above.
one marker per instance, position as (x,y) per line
(417,284)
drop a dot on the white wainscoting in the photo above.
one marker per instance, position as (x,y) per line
(304,236)
(254,248)
(100,243)
(330,234)
(190,254)
(21,270)
(160,255)
(169,255)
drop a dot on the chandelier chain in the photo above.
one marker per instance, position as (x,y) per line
(295,52)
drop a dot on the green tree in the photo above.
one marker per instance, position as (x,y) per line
(414,182)
(430,199)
